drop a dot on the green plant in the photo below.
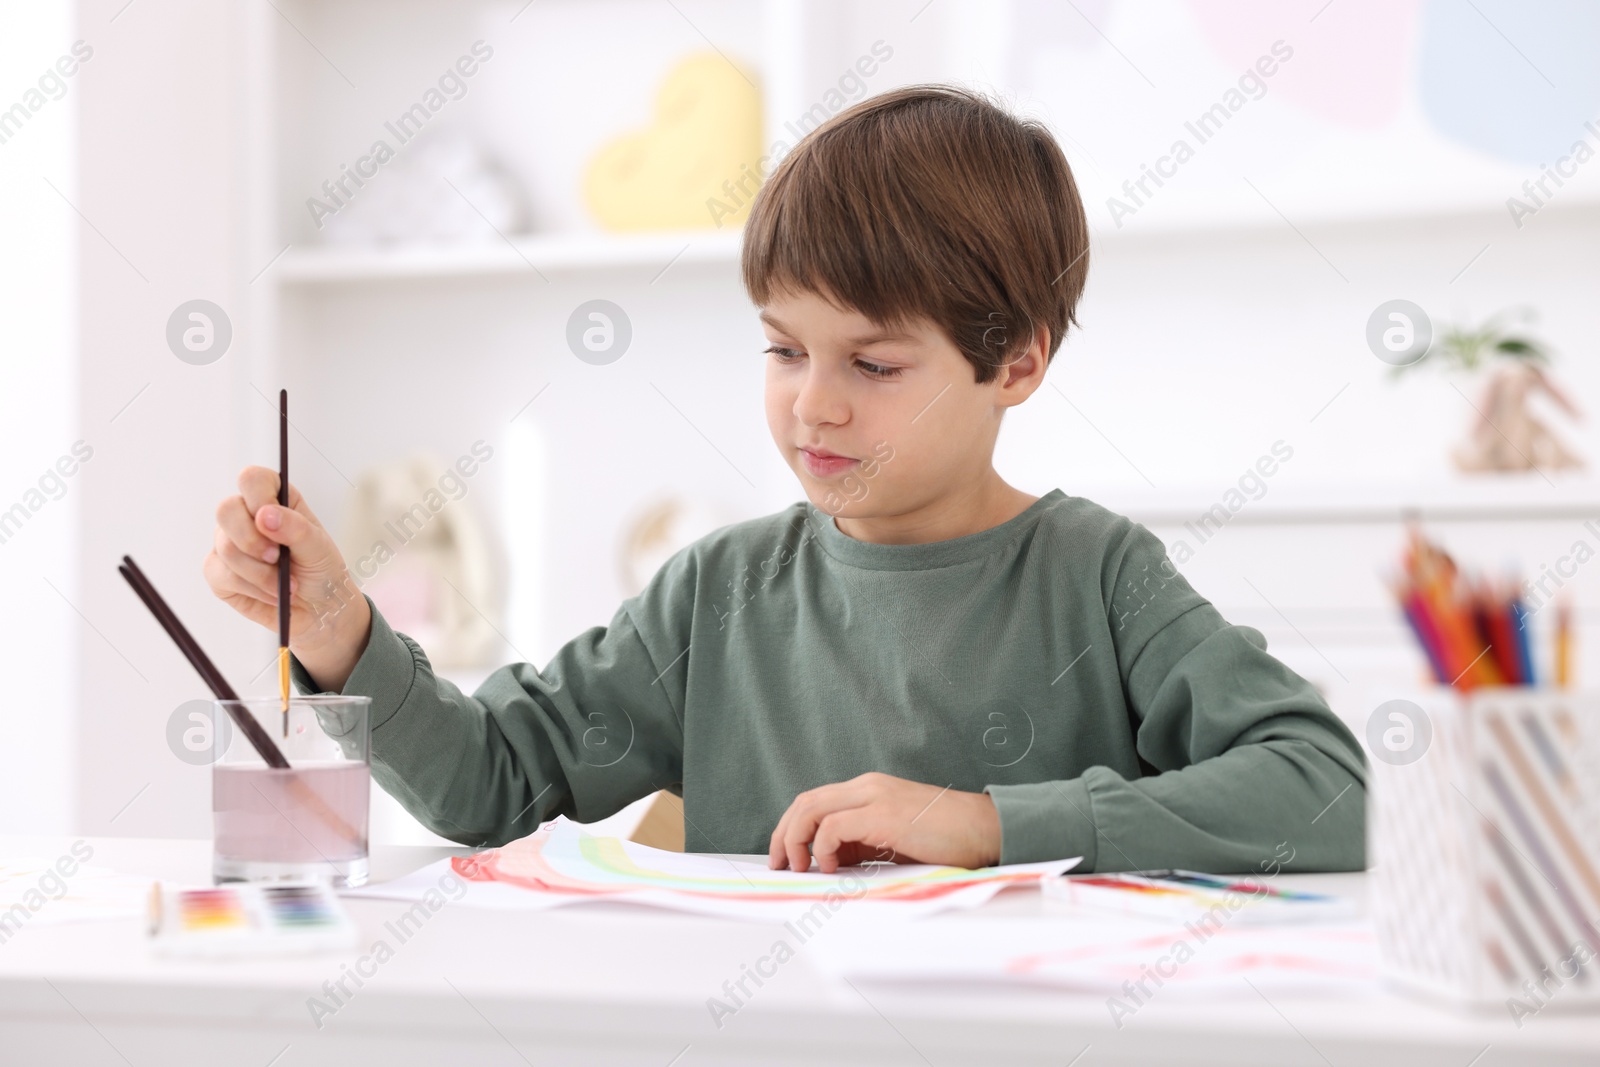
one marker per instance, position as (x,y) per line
(1468,348)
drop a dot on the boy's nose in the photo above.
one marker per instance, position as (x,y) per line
(820,401)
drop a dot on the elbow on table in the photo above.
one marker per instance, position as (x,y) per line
(1336,839)
(438,823)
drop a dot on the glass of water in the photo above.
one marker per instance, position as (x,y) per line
(307,822)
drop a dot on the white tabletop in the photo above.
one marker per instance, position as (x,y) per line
(620,984)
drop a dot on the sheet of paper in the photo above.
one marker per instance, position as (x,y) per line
(561,864)
(1126,957)
(34,892)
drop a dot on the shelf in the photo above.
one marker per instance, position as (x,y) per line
(314,265)
(1491,498)
(530,256)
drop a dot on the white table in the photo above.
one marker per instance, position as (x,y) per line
(616,984)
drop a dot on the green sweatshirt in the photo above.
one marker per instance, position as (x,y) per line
(1058,662)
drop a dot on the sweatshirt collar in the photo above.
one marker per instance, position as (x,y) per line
(846,549)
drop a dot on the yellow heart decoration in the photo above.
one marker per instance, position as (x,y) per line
(695,165)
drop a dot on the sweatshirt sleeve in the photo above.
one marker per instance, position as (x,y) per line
(1245,763)
(599,727)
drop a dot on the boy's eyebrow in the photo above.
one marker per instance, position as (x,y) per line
(864,339)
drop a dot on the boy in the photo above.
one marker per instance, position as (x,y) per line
(918,661)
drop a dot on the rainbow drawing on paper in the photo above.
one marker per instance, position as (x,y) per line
(562,859)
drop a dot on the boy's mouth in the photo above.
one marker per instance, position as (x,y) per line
(822,463)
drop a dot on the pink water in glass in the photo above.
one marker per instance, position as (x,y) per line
(263,825)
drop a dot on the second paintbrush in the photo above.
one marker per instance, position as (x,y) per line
(283,558)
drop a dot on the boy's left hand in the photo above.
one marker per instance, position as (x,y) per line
(878,816)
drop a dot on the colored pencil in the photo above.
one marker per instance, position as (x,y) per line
(1473,629)
(1563,643)
(1524,640)
(1423,628)
(1500,626)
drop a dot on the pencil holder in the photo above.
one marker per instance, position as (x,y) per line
(1485,846)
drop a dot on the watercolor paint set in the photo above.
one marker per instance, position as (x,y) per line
(248,919)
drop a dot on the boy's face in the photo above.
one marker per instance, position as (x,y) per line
(900,404)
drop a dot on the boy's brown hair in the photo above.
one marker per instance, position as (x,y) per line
(928,201)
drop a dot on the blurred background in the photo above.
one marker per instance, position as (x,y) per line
(1355,243)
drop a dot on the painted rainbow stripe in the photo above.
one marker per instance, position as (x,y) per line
(562,859)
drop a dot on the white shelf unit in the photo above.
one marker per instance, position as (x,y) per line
(520,257)
(1506,497)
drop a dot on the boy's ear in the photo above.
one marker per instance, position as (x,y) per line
(1025,372)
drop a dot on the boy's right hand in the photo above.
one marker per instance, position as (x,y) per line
(328,617)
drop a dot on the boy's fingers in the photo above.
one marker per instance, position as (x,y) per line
(799,822)
(854,853)
(841,828)
(263,615)
(778,854)
(259,487)
(285,526)
(250,569)
(235,522)
(777,848)
(785,850)
(230,583)
(773,843)
(800,836)
(229,587)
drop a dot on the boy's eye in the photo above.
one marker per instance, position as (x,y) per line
(789,355)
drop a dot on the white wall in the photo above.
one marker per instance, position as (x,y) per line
(39,422)
(163,138)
